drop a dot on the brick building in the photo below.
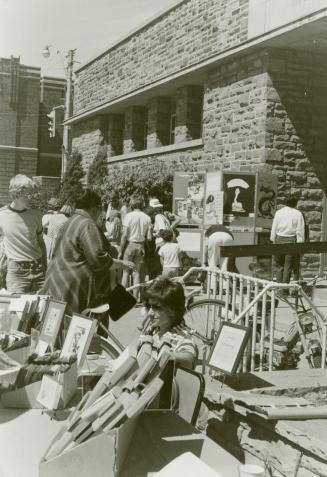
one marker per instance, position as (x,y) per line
(25,145)
(216,84)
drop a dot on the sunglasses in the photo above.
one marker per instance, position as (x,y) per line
(154,307)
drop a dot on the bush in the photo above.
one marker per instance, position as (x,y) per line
(98,170)
(147,179)
(72,184)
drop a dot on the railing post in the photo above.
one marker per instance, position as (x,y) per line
(272,328)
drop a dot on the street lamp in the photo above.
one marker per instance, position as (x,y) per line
(68,104)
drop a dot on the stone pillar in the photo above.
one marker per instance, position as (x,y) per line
(159,114)
(189,100)
(135,129)
(115,134)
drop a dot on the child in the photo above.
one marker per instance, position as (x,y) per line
(169,254)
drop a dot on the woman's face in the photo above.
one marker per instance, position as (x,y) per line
(160,317)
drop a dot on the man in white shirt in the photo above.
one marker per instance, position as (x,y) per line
(136,230)
(288,227)
(21,228)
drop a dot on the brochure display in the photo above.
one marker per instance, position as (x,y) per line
(245,202)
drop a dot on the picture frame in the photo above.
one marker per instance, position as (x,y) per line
(227,350)
(79,335)
(51,321)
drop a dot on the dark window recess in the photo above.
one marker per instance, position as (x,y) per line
(145,135)
(172,128)
(194,116)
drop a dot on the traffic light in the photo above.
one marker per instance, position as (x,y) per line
(52,123)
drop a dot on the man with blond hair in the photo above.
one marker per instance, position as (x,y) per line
(21,227)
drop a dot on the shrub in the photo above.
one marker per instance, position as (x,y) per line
(147,179)
(72,184)
(98,170)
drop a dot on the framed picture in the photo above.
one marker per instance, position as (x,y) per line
(228,348)
(78,338)
(53,316)
(239,189)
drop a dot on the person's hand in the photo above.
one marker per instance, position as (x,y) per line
(127,265)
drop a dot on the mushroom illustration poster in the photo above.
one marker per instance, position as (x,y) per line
(239,194)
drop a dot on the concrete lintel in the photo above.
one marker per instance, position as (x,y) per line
(18,148)
(158,150)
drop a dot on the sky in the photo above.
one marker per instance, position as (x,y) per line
(90,26)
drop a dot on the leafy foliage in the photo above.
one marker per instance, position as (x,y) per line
(98,170)
(72,183)
(147,179)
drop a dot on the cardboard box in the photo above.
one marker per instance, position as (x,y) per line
(101,456)
(140,446)
(26,397)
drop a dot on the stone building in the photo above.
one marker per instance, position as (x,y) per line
(216,84)
(25,145)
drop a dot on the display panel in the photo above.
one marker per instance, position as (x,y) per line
(189,197)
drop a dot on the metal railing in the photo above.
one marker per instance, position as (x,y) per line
(252,302)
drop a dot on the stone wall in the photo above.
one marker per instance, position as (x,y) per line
(192,31)
(296,133)
(234,113)
(88,136)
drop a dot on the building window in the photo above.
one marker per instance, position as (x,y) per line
(172,128)
(145,134)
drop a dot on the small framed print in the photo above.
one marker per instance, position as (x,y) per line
(228,348)
(78,338)
(52,320)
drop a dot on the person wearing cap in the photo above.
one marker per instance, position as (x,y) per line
(160,220)
(52,223)
(21,227)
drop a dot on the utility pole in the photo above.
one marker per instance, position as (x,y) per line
(68,111)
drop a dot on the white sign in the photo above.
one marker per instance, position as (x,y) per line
(228,348)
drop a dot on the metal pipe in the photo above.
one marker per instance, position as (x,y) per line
(272,329)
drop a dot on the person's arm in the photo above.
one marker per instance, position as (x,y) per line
(184,359)
(43,250)
(123,242)
(117,263)
(205,258)
(160,253)
(149,232)
(300,229)
(39,237)
(273,229)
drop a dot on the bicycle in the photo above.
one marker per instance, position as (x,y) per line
(306,327)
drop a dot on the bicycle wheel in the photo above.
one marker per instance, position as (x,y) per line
(205,316)
(103,347)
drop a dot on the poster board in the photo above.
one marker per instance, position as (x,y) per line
(266,199)
(190,241)
(227,350)
(214,199)
(188,197)
(239,197)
